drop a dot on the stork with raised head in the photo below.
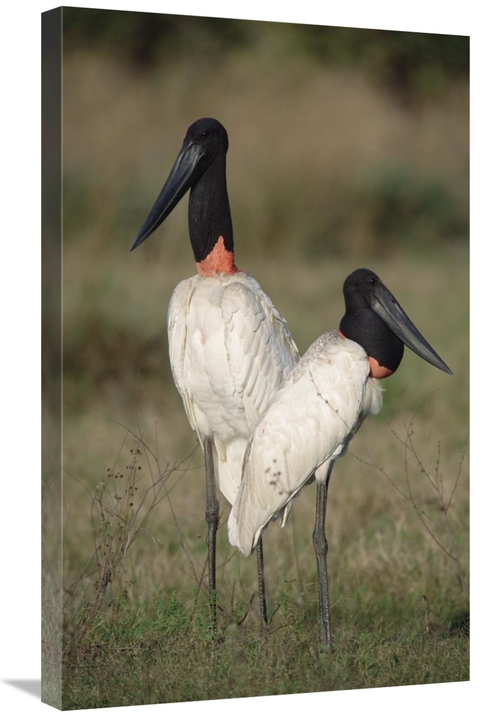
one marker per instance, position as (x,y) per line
(316,412)
(229,347)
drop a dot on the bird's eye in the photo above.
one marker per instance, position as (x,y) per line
(204,134)
(372,281)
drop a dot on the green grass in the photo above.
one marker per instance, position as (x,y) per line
(136,619)
(138,659)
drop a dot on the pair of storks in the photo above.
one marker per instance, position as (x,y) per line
(268,422)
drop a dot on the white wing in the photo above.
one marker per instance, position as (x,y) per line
(311,420)
(177,332)
(260,350)
(229,351)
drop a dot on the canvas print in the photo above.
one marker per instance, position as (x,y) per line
(255,358)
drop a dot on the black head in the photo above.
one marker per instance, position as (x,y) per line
(376,321)
(205,146)
(359,289)
(209,134)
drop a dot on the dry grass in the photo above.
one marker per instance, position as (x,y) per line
(382,560)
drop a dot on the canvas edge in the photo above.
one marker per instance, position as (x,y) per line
(51,62)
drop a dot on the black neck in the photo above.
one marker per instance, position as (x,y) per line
(368,330)
(209,212)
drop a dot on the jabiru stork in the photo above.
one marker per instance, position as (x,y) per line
(229,347)
(315,413)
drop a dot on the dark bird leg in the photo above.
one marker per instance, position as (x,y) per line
(321,548)
(262,587)
(212,518)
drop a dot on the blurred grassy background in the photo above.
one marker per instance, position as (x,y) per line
(347,148)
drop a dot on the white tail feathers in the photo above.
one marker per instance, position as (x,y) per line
(228,465)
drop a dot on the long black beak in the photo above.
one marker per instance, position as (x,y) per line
(390,310)
(187,168)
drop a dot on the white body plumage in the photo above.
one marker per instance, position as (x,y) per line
(313,416)
(229,350)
